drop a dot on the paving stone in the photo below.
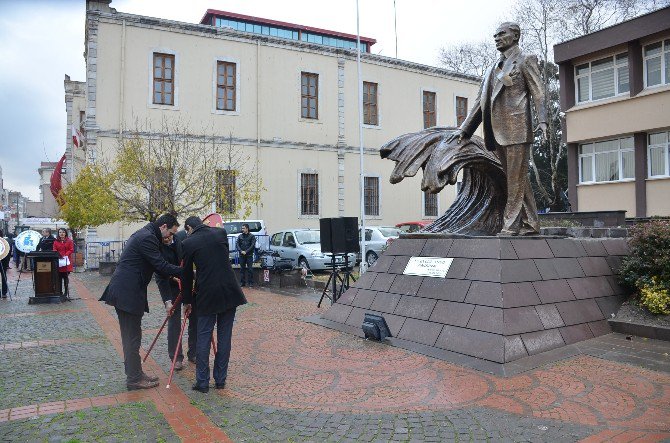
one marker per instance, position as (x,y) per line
(616,246)
(563,247)
(568,267)
(365,281)
(541,341)
(450,313)
(486,318)
(338,312)
(594,266)
(383,263)
(385,302)
(364,298)
(609,305)
(617,289)
(594,248)
(590,287)
(475,248)
(519,294)
(485,293)
(437,247)
(520,320)
(507,251)
(514,348)
(576,333)
(515,271)
(444,289)
(546,268)
(348,297)
(410,247)
(420,331)
(49,327)
(599,328)
(459,268)
(484,270)
(579,311)
(399,264)
(356,317)
(614,262)
(552,291)
(383,282)
(532,248)
(470,342)
(406,284)
(549,316)
(415,307)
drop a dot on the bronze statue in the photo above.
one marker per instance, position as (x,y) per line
(496,196)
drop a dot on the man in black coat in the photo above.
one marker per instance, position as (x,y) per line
(127,291)
(246,243)
(169,290)
(218,297)
(46,243)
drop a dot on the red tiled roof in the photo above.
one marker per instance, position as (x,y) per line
(206,20)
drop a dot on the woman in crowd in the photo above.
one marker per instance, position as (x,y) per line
(65,247)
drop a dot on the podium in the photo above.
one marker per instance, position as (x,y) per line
(46,282)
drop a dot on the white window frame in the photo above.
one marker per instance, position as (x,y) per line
(666,152)
(665,52)
(175,69)
(237,86)
(593,154)
(423,207)
(299,199)
(379,194)
(590,72)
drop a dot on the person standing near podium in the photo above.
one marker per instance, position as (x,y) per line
(65,247)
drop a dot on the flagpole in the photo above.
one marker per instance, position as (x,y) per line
(364,265)
(395,28)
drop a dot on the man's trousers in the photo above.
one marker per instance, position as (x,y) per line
(224,334)
(131,338)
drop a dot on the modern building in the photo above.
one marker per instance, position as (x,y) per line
(615,92)
(287,97)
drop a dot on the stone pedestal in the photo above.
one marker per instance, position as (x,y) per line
(502,300)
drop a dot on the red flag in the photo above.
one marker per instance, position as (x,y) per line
(77,136)
(56,184)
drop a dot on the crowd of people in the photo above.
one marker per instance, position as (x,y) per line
(62,244)
(193,272)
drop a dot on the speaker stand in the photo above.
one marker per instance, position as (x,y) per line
(339,280)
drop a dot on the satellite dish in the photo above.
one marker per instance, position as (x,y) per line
(4,248)
(27,241)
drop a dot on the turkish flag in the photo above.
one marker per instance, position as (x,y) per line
(77,136)
(56,184)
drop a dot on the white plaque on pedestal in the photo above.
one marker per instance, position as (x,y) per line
(428,266)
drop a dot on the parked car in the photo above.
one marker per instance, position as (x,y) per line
(413,226)
(377,238)
(303,248)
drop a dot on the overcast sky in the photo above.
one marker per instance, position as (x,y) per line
(42,40)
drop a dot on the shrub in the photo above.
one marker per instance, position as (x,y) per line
(647,270)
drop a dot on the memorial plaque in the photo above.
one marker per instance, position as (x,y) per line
(428,266)
(43,266)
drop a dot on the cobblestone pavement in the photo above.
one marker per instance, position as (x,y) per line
(294,381)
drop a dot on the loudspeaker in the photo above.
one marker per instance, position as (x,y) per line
(339,235)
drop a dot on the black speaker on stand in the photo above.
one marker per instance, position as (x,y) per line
(339,236)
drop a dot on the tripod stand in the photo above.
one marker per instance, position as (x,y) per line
(339,280)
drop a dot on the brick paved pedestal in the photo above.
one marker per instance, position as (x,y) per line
(504,303)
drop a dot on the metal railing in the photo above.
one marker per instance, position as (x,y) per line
(262,244)
(107,251)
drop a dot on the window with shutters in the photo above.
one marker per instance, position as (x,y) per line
(461,110)
(309,95)
(429,113)
(226,85)
(370,111)
(371,195)
(225,191)
(309,194)
(163,75)
(430,208)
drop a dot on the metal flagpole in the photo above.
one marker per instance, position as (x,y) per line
(395,28)
(364,265)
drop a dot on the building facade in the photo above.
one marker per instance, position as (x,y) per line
(288,101)
(615,92)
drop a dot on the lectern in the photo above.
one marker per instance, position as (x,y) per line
(45,277)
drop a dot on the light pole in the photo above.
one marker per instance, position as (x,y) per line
(364,265)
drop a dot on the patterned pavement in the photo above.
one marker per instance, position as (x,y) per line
(61,379)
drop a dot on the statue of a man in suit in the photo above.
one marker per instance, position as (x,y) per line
(503,105)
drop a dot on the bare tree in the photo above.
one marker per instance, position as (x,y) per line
(582,17)
(469,58)
(170,169)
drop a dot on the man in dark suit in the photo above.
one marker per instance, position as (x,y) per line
(503,106)
(47,241)
(169,290)
(218,296)
(127,291)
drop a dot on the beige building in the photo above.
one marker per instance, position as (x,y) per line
(288,94)
(615,91)
(46,207)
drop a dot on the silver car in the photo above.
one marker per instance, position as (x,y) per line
(377,238)
(303,248)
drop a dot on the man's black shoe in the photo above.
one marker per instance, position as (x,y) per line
(204,390)
(141,384)
(221,385)
(149,378)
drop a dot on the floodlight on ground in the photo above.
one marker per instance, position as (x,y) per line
(375,327)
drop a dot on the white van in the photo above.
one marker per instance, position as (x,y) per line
(256,227)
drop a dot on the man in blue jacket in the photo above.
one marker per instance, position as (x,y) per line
(218,297)
(127,292)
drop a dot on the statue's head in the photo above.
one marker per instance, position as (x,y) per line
(507,35)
